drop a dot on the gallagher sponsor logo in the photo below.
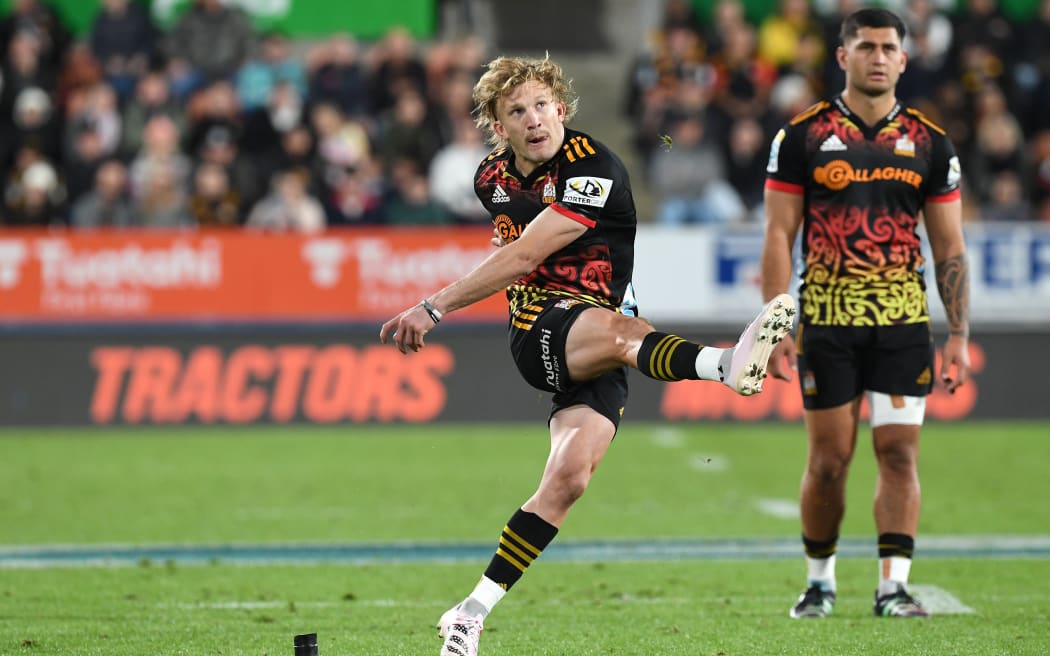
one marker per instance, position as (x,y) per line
(838,174)
(255,383)
(508,230)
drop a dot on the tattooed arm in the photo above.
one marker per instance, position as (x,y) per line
(953,284)
(944,227)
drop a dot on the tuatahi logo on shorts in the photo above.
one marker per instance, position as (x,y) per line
(550,361)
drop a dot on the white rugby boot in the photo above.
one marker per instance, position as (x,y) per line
(751,354)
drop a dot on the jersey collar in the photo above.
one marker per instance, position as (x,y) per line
(864,127)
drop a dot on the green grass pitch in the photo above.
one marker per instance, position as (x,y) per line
(455,484)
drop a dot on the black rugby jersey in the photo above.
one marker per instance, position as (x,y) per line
(863,187)
(586,182)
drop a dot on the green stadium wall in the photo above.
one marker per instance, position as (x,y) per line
(302,19)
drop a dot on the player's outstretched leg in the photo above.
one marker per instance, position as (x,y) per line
(461,632)
(752,351)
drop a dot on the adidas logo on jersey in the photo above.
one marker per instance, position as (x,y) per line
(500,196)
(832,143)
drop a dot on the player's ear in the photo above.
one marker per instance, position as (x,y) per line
(840,56)
(500,131)
(560,106)
(904,60)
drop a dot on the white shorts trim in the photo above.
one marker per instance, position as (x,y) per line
(883,411)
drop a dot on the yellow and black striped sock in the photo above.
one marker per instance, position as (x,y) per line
(524,537)
(820,548)
(896,545)
(664,356)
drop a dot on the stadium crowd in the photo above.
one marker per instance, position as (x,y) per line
(212,123)
(721,88)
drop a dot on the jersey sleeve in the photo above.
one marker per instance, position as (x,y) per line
(942,185)
(588,185)
(786,170)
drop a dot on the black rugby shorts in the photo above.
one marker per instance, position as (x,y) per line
(836,364)
(538,332)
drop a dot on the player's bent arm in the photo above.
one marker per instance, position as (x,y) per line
(783,218)
(548,233)
(944,228)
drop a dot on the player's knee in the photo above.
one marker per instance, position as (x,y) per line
(829,467)
(895,456)
(572,483)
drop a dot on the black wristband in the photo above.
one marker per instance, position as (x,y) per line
(432,312)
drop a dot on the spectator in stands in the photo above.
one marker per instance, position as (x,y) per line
(245,171)
(35,123)
(726,16)
(274,64)
(337,76)
(45,25)
(677,55)
(691,97)
(984,46)
(210,41)
(213,203)
(447,60)
(690,179)
(216,105)
(452,170)
(160,196)
(790,96)
(1007,200)
(95,106)
(408,131)
(122,38)
(79,71)
(355,195)
(108,204)
(398,66)
(341,142)
(152,98)
(746,158)
(35,197)
(791,34)
(927,44)
(85,154)
(22,71)
(410,202)
(999,145)
(297,149)
(833,78)
(288,207)
(1032,72)
(743,77)
(452,102)
(263,126)
(159,168)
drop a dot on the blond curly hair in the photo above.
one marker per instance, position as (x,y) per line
(505,74)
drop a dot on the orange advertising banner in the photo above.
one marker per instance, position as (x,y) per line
(173,276)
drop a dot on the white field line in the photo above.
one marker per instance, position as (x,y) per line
(779,508)
(939,601)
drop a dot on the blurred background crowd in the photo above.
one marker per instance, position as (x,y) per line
(212,122)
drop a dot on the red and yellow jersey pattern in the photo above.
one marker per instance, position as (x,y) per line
(587,183)
(864,189)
